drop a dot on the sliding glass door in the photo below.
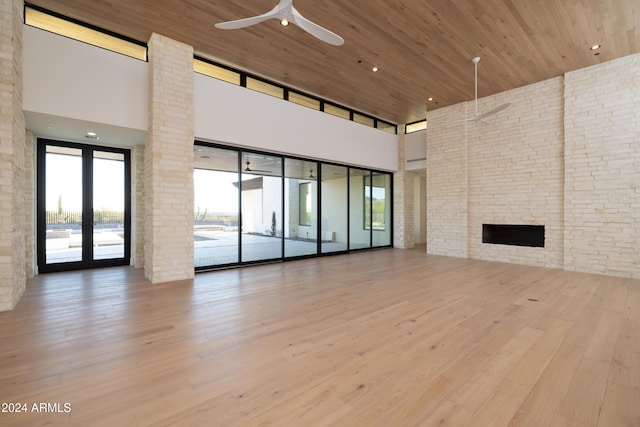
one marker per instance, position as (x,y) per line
(335,208)
(359,209)
(378,209)
(83,206)
(216,206)
(256,207)
(261,207)
(301,208)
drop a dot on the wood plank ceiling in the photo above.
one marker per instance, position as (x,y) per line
(422,48)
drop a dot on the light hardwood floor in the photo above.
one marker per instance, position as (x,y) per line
(382,338)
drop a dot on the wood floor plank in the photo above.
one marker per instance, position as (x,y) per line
(473,393)
(532,365)
(503,404)
(381,338)
(618,296)
(620,407)
(586,391)
(413,407)
(542,403)
(632,304)
(625,367)
(448,414)
(562,421)
(603,341)
(489,373)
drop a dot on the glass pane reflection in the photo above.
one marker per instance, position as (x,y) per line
(261,188)
(301,207)
(334,208)
(215,231)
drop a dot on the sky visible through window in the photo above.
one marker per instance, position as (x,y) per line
(214,190)
(64,183)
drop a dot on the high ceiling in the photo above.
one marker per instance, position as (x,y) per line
(422,48)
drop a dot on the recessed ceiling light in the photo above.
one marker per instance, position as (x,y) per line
(595,47)
(430,99)
(284,22)
(374,69)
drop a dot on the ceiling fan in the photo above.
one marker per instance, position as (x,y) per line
(286,13)
(480,117)
(248,169)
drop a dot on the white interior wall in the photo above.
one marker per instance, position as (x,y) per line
(415,150)
(232,114)
(69,80)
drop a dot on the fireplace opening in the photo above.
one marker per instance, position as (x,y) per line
(513,234)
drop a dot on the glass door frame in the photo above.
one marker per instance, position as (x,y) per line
(87,260)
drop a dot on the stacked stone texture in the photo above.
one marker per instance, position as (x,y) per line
(168,210)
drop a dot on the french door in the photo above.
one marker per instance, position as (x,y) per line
(83,206)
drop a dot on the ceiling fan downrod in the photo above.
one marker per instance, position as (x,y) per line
(475,61)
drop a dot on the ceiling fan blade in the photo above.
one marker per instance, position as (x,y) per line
(249,170)
(242,23)
(480,117)
(247,22)
(316,30)
(494,111)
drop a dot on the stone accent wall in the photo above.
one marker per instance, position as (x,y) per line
(565,154)
(169,216)
(602,168)
(12,156)
(516,172)
(137,206)
(403,203)
(447,187)
(420,211)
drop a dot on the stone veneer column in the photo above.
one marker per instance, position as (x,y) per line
(403,202)
(447,183)
(30,263)
(137,208)
(12,152)
(602,168)
(168,234)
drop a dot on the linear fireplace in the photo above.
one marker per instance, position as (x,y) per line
(513,234)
